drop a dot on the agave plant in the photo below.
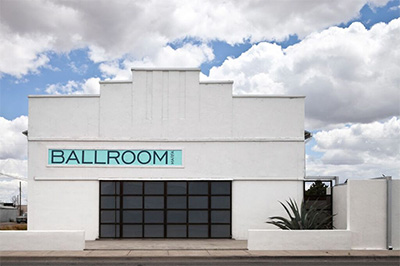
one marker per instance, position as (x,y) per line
(303,219)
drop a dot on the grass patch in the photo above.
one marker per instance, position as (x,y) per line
(14,227)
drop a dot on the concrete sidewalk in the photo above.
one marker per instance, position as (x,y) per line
(166,244)
(204,254)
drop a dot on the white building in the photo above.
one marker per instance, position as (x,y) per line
(163,155)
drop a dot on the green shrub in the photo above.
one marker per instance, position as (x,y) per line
(303,219)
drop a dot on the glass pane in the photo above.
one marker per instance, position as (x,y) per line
(154,202)
(133,188)
(109,216)
(154,216)
(176,230)
(156,188)
(107,230)
(176,216)
(220,216)
(154,231)
(176,187)
(107,188)
(176,202)
(221,202)
(132,217)
(198,188)
(132,202)
(117,186)
(198,230)
(218,188)
(220,231)
(109,202)
(132,231)
(198,216)
(198,202)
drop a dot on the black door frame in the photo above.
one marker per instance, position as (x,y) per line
(119,208)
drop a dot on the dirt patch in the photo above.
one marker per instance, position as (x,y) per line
(11,226)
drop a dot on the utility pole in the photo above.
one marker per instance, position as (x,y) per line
(20,202)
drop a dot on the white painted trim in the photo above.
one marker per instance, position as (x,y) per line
(215,178)
(114,81)
(66,96)
(268,96)
(216,82)
(299,139)
(165,69)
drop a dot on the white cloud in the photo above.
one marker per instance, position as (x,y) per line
(21,54)
(9,187)
(137,29)
(358,150)
(348,75)
(89,86)
(13,155)
(13,144)
(188,55)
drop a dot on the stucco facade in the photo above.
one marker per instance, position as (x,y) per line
(255,142)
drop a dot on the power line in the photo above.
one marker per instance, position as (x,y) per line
(13,176)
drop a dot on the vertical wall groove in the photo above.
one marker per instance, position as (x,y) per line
(182,95)
(149,95)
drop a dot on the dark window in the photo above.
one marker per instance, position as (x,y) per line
(198,188)
(154,188)
(176,188)
(132,202)
(133,188)
(170,209)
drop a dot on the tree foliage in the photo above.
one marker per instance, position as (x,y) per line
(318,188)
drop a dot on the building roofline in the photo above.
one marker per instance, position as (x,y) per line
(66,96)
(268,96)
(216,82)
(166,69)
(114,81)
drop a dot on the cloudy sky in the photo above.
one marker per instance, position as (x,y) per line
(344,56)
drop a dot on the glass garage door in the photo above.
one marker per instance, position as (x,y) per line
(172,209)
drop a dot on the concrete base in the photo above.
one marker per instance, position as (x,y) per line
(299,239)
(42,240)
(166,244)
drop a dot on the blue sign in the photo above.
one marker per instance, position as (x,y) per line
(115,157)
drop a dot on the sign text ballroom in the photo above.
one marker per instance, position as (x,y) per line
(114,157)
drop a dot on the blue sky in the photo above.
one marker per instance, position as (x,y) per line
(342,55)
(14,90)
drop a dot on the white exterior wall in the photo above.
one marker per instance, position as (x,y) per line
(339,206)
(261,239)
(42,240)
(253,202)
(360,205)
(259,139)
(64,205)
(396,214)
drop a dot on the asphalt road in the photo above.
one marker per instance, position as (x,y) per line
(380,261)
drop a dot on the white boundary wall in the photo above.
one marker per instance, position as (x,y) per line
(361,221)
(360,206)
(42,240)
(299,240)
